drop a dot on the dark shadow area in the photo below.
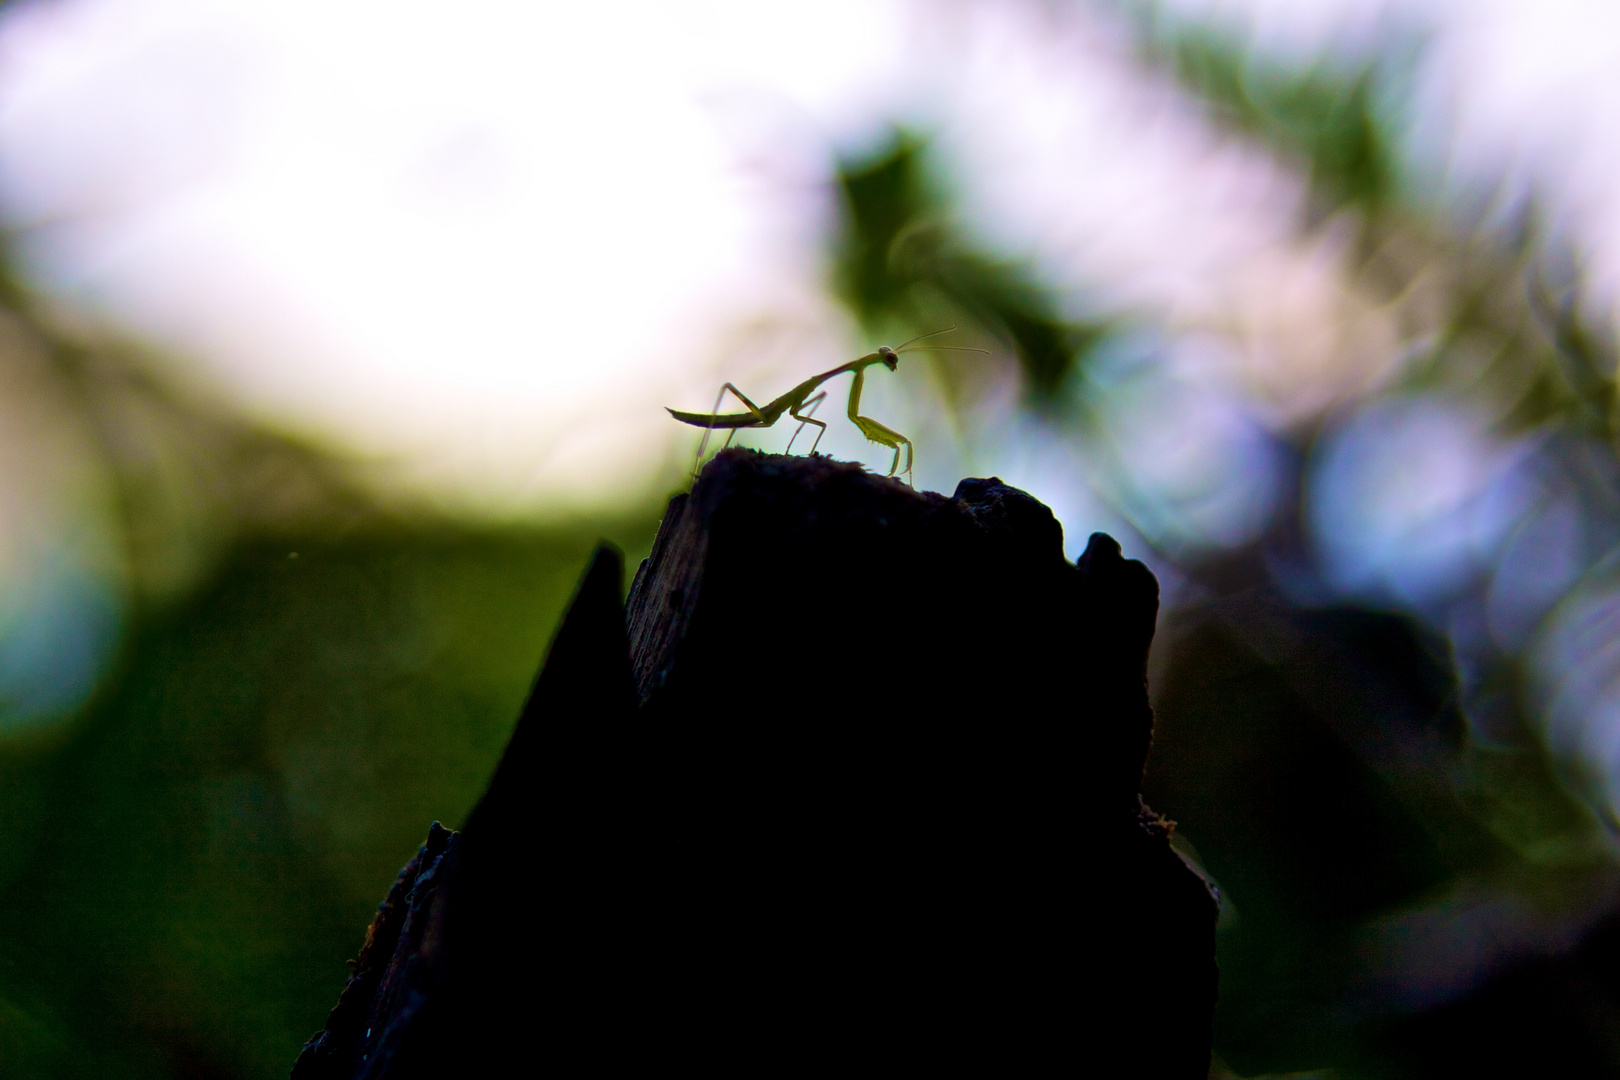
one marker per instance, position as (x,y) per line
(933,857)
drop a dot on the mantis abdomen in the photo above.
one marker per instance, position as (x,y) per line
(714,420)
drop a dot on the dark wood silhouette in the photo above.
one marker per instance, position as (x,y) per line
(851,782)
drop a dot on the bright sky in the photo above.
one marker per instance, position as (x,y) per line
(483,248)
(486,249)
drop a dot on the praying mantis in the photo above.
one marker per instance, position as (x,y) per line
(798,398)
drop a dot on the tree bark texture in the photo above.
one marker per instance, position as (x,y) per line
(850,783)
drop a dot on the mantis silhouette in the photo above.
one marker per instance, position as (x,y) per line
(799,398)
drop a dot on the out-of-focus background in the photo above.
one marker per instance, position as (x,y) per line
(333,335)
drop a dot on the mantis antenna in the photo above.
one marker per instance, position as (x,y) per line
(909,345)
(931,333)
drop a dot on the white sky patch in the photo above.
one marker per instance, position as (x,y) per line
(1531,92)
(484,251)
(474,246)
(484,248)
(1127,200)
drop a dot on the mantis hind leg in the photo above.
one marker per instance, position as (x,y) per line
(887,436)
(703,444)
(806,419)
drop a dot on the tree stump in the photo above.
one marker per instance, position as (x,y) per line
(849,783)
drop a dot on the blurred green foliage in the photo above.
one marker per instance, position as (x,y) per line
(1401,852)
(1503,321)
(1332,117)
(901,258)
(188,867)
(308,679)
(1319,765)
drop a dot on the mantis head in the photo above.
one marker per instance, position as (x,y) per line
(891,357)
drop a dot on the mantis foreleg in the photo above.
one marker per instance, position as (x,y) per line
(874,430)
